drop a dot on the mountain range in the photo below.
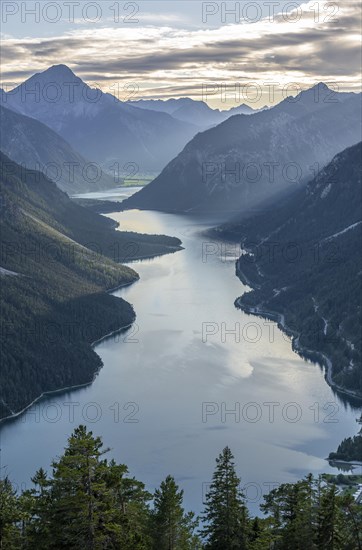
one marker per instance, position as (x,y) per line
(59,258)
(146,134)
(98,125)
(246,159)
(304,265)
(194,112)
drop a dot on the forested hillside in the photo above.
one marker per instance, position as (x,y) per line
(57,261)
(90,502)
(34,145)
(304,264)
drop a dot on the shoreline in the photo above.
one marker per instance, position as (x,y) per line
(171,249)
(65,389)
(324,362)
(354,463)
(68,388)
(156,255)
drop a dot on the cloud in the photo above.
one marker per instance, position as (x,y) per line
(171,60)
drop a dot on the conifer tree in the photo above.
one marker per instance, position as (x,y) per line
(292,508)
(130,505)
(172,528)
(81,510)
(92,504)
(10,515)
(226,517)
(303,525)
(260,537)
(330,521)
(352,532)
(36,504)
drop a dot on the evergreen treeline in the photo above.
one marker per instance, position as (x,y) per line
(349,449)
(92,503)
(99,206)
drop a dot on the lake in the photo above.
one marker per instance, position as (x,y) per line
(193,375)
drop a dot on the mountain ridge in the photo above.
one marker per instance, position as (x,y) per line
(97,124)
(36,146)
(246,159)
(304,266)
(193,111)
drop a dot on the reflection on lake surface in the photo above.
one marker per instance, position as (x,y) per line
(192,375)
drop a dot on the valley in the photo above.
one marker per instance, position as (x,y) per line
(191,374)
(65,259)
(301,253)
(180,276)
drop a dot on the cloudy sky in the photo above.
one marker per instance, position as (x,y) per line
(223,52)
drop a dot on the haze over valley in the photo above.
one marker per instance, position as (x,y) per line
(181,227)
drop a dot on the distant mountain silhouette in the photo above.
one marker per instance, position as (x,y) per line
(189,110)
(97,124)
(246,159)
